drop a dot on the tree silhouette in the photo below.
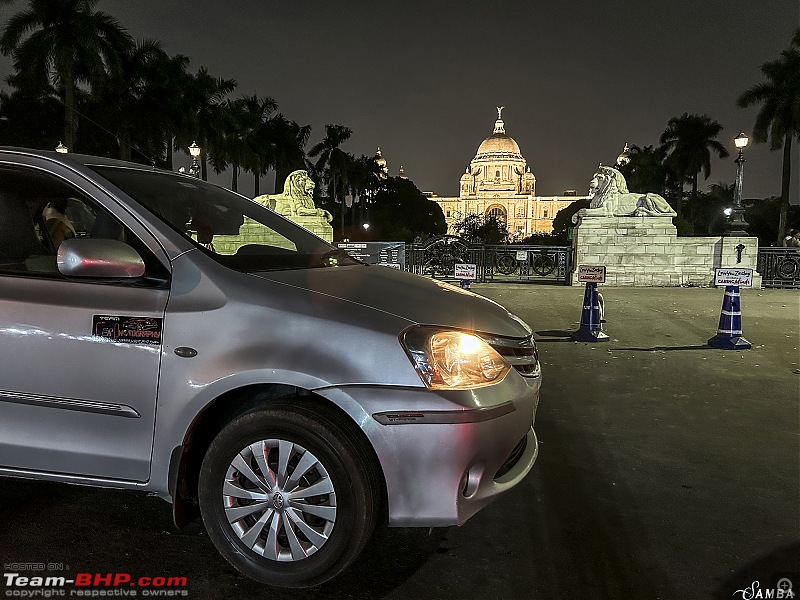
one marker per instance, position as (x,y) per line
(778,119)
(69,39)
(333,163)
(689,141)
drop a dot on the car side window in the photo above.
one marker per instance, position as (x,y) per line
(38,212)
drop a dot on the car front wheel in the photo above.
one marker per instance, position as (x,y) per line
(286,494)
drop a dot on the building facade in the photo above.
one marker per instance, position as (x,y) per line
(498,182)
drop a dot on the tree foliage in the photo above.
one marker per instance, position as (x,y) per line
(482,229)
(62,43)
(689,141)
(400,212)
(778,119)
(646,170)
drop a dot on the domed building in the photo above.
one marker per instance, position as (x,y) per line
(381,162)
(498,182)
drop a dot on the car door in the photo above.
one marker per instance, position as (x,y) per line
(80,357)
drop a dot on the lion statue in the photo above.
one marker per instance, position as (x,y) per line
(297,198)
(610,197)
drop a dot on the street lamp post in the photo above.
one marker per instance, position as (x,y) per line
(737,226)
(194,150)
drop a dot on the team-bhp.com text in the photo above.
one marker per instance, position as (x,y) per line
(94,585)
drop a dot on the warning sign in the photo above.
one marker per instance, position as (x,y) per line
(592,273)
(733,276)
(466,271)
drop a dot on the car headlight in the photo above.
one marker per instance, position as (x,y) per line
(448,359)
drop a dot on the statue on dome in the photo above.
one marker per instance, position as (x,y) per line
(609,195)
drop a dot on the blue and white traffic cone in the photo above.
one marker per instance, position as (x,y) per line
(590,329)
(729,334)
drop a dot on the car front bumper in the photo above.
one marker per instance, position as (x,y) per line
(446,455)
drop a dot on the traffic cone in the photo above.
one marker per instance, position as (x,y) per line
(590,329)
(729,334)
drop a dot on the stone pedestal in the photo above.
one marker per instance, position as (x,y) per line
(316,224)
(646,251)
(254,233)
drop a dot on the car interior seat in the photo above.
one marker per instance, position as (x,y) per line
(20,247)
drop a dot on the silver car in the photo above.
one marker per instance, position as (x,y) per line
(160,333)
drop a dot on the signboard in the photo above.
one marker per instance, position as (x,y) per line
(388,254)
(592,273)
(466,271)
(522,255)
(733,276)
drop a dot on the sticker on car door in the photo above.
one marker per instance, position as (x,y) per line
(128,330)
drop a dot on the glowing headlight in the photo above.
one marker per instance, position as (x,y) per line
(448,359)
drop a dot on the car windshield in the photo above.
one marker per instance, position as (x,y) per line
(239,233)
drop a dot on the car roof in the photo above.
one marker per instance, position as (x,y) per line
(81,159)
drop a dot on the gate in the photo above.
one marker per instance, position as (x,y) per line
(522,263)
(438,256)
(779,267)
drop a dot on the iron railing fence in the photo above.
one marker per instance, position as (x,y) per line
(438,256)
(779,267)
(524,263)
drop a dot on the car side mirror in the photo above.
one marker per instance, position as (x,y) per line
(87,257)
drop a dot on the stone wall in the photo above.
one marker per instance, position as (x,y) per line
(252,232)
(646,251)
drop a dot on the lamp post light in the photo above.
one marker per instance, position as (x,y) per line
(194,150)
(61,148)
(737,226)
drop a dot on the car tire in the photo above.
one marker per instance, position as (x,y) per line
(287,537)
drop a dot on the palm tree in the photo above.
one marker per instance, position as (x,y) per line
(363,178)
(690,140)
(30,119)
(645,170)
(171,79)
(243,120)
(69,39)
(778,120)
(126,100)
(285,142)
(333,161)
(205,101)
(230,148)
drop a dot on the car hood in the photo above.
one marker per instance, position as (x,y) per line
(417,299)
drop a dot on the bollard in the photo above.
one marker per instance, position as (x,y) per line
(729,333)
(590,329)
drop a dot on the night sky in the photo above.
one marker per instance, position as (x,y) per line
(421,79)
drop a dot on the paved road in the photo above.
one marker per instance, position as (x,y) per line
(667,470)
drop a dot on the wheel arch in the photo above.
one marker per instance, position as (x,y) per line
(186,459)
